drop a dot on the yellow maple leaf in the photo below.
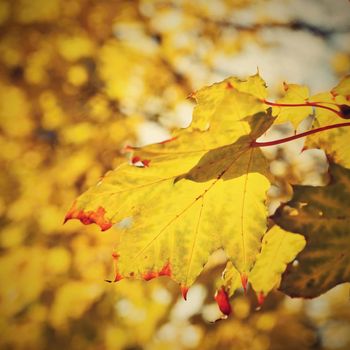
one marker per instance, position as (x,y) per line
(279,247)
(335,142)
(181,200)
(294,95)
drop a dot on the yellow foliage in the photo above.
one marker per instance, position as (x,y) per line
(28,11)
(73,48)
(14,111)
(72,300)
(77,79)
(335,142)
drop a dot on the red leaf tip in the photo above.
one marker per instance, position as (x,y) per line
(184,291)
(118,277)
(261,298)
(244,280)
(166,270)
(223,301)
(89,217)
(149,275)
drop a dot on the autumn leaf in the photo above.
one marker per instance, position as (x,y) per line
(334,142)
(294,95)
(211,98)
(321,214)
(336,102)
(327,107)
(181,200)
(279,247)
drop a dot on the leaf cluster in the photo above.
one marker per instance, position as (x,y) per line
(176,202)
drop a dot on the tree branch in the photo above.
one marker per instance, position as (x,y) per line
(298,136)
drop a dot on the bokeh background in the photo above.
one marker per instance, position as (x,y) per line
(79,80)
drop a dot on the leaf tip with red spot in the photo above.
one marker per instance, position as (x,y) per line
(149,275)
(118,277)
(166,270)
(244,280)
(184,291)
(261,298)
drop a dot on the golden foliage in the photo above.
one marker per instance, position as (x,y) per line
(78,78)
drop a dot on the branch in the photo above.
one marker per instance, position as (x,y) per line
(306,104)
(298,136)
(324,33)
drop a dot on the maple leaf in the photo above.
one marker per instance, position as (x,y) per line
(294,94)
(322,215)
(334,142)
(279,247)
(202,190)
(327,107)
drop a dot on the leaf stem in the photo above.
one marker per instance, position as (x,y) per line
(298,136)
(306,104)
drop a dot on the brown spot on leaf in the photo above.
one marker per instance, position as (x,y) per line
(192,95)
(89,217)
(334,94)
(115,256)
(229,86)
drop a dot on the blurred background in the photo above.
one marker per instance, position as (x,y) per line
(79,80)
